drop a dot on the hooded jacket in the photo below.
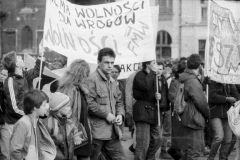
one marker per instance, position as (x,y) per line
(193,92)
(61,134)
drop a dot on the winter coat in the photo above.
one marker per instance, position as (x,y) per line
(78,100)
(145,108)
(104,97)
(194,96)
(217,98)
(31,141)
(62,136)
(144,89)
(14,88)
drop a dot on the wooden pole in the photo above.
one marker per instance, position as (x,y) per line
(158,105)
(41,49)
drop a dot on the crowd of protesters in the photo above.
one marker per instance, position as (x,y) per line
(84,117)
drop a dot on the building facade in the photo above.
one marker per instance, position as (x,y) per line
(22,29)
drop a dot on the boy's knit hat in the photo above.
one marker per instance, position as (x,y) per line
(58,101)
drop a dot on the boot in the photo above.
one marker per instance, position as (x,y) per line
(164,155)
(175,153)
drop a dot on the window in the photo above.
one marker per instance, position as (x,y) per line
(204,12)
(204,1)
(27,38)
(201,46)
(165,9)
(163,48)
(9,41)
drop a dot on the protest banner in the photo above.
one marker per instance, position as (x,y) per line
(78,31)
(223,42)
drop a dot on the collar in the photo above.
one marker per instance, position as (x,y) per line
(103,75)
(15,75)
(190,72)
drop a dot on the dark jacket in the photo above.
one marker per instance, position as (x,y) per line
(194,95)
(217,98)
(15,86)
(144,89)
(145,108)
(164,102)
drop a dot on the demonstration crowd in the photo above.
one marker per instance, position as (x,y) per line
(85,118)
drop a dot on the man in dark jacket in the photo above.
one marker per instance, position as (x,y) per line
(221,97)
(14,88)
(197,104)
(145,113)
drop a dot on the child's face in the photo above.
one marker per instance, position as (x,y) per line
(66,111)
(20,62)
(43,109)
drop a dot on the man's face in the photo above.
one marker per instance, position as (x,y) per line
(20,62)
(152,66)
(160,69)
(3,75)
(106,65)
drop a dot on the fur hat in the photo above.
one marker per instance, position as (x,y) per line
(58,101)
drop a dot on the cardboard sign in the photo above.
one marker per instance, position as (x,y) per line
(223,44)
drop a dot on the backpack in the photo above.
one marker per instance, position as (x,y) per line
(179,102)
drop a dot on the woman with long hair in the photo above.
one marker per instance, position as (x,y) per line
(72,84)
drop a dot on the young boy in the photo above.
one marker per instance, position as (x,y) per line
(15,86)
(30,139)
(60,126)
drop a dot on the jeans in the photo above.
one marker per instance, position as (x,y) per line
(148,138)
(6,133)
(166,127)
(194,143)
(233,142)
(112,147)
(222,136)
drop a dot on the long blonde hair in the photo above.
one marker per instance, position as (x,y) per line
(77,73)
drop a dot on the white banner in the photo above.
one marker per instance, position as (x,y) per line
(223,43)
(80,31)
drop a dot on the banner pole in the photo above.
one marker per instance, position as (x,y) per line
(207,92)
(40,73)
(158,106)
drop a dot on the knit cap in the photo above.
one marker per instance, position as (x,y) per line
(58,101)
